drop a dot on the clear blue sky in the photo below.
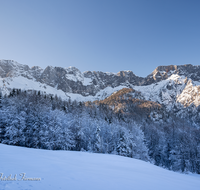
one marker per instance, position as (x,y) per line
(101,35)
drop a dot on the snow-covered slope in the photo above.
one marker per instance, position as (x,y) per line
(81,170)
(175,89)
(20,82)
(190,94)
(164,92)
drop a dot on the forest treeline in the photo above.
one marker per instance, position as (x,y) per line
(35,120)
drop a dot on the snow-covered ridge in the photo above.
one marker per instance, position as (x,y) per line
(166,85)
(164,92)
(20,82)
(190,94)
(172,90)
(69,80)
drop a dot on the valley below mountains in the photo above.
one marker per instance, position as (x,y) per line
(155,119)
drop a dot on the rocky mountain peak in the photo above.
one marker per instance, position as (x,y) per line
(125,73)
(11,68)
(165,69)
(72,70)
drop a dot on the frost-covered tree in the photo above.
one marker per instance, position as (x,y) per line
(97,140)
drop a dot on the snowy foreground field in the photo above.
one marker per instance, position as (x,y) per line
(85,171)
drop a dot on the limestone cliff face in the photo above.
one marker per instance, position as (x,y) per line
(164,72)
(8,68)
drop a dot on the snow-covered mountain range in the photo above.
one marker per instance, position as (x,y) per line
(166,85)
